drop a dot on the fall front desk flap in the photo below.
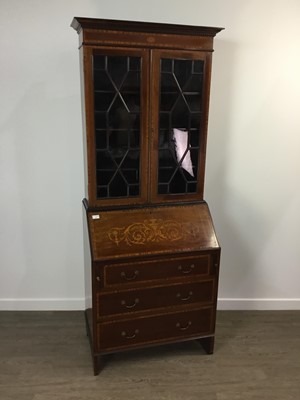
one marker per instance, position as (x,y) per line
(161,230)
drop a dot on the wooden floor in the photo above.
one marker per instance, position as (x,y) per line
(45,356)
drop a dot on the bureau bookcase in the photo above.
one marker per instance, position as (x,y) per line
(152,259)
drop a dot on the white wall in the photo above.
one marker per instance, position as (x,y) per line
(253,165)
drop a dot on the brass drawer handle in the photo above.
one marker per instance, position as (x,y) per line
(126,336)
(178,295)
(136,301)
(130,278)
(186,271)
(183,328)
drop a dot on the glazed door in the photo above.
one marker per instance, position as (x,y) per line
(179,124)
(117,136)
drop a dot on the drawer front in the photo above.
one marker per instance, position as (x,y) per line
(130,301)
(147,330)
(116,274)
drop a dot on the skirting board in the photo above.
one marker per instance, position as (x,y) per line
(79,304)
(42,304)
(258,304)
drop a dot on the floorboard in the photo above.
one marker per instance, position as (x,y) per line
(46,356)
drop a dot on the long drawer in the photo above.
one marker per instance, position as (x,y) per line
(133,300)
(164,328)
(116,274)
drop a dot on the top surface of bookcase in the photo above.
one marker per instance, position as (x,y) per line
(80,23)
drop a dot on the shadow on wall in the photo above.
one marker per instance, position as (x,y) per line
(232,212)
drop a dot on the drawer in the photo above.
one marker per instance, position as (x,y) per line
(133,300)
(116,274)
(152,330)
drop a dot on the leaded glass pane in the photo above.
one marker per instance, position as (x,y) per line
(181,82)
(117,86)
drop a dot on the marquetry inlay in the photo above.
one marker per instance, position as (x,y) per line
(154,230)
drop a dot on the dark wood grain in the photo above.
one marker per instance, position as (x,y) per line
(137,272)
(153,272)
(151,231)
(81,23)
(128,301)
